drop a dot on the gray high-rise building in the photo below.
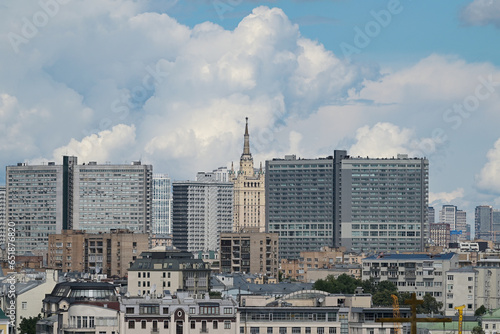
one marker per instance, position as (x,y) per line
(381,204)
(34,196)
(362,204)
(45,199)
(3,220)
(162,205)
(483,222)
(201,211)
(299,203)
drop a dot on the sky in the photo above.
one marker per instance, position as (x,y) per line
(170,82)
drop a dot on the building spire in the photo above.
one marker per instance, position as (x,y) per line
(246,144)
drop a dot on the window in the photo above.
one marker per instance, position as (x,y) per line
(192,310)
(143,324)
(282,330)
(242,330)
(139,274)
(24,305)
(204,326)
(91,322)
(470,279)
(215,324)
(308,330)
(131,324)
(155,325)
(84,322)
(332,330)
(193,324)
(209,310)
(227,324)
(228,310)
(78,322)
(165,310)
(254,330)
(149,309)
(269,330)
(295,330)
(321,330)
(450,277)
(165,324)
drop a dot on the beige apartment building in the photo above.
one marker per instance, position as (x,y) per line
(249,251)
(329,260)
(109,253)
(249,191)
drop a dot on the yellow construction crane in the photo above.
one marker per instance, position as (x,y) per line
(396,314)
(460,317)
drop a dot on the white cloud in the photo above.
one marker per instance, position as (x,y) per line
(445,197)
(488,179)
(109,145)
(385,140)
(482,12)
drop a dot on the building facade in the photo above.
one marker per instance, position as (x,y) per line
(159,272)
(419,273)
(45,199)
(162,205)
(483,222)
(201,211)
(440,234)
(457,219)
(299,203)
(249,191)
(249,251)
(182,315)
(3,217)
(381,204)
(109,253)
(34,196)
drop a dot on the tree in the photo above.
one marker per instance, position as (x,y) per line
(480,311)
(342,284)
(28,325)
(477,330)
(430,305)
(383,292)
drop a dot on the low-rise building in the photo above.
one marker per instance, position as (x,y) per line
(180,315)
(419,273)
(109,253)
(160,271)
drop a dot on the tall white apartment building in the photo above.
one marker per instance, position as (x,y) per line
(162,204)
(201,211)
(457,219)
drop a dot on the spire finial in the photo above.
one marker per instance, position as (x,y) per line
(246,144)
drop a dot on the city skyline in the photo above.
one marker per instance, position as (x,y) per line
(170,83)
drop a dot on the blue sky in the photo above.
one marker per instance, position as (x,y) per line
(171,82)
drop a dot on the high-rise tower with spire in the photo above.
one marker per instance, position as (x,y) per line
(249,191)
